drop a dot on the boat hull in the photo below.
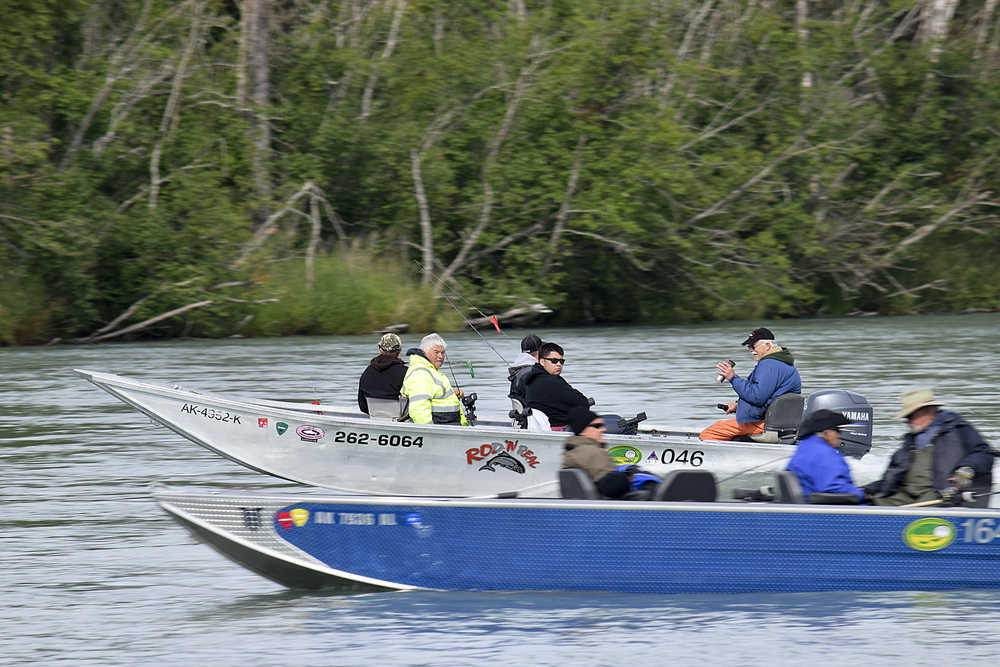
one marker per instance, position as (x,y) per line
(385,543)
(350,453)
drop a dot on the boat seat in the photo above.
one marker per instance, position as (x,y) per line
(694,485)
(787,488)
(388,408)
(782,419)
(576,483)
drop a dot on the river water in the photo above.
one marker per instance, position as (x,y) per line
(94,573)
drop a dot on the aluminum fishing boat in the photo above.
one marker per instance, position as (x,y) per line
(357,543)
(348,452)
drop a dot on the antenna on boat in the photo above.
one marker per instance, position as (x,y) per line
(467,322)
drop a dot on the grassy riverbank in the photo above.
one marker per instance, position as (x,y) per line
(352,291)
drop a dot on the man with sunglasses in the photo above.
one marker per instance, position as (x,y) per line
(817,461)
(775,374)
(585,450)
(546,391)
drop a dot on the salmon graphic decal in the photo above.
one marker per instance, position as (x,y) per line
(504,460)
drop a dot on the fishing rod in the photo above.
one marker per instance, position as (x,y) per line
(458,294)
(965,496)
(467,322)
(468,401)
(761,465)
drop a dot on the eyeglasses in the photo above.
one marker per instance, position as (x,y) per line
(554,360)
(596,425)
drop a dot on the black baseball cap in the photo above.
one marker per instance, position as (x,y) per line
(756,335)
(531,343)
(820,420)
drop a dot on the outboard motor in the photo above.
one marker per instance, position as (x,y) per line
(627,426)
(618,425)
(855,437)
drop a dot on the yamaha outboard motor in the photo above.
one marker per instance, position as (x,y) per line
(855,437)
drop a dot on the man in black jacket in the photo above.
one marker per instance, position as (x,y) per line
(941,455)
(384,376)
(546,391)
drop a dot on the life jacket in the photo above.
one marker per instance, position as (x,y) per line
(432,400)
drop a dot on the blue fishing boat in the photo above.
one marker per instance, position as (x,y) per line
(370,543)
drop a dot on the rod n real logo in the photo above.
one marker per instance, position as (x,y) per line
(507,454)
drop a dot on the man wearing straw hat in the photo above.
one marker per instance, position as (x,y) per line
(941,455)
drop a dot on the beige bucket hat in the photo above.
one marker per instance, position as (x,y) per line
(914,399)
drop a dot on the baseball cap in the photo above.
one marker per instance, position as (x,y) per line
(756,335)
(389,343)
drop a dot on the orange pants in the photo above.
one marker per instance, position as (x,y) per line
(727,429)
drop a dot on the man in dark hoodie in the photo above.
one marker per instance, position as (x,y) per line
(546,391)
(941,455)
(518,371)
(775,374)
(384,375)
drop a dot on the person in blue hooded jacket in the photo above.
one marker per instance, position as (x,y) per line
(817,460)
(775,374)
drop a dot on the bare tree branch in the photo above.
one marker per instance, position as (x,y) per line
(390,45)
(520,90)
(168,123)
(563,214)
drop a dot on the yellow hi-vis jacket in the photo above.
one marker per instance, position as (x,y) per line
(432,400)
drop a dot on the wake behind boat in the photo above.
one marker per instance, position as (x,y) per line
(357,543)
(349,452)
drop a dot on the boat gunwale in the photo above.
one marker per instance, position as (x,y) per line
(109,381)
(162,494)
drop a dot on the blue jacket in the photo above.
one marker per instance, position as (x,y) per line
(773,376)
(821,468)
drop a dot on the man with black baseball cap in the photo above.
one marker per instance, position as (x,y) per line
(518,371)
(585,450)
(775,374)
(817,461)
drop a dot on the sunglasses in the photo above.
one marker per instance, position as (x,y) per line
(554,360)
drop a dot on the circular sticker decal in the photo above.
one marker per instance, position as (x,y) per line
(929,534)
(623,454)
(309,433)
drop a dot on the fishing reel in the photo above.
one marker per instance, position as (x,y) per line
(469,403)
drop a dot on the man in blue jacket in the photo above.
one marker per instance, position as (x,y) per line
(817,461)
(775,374)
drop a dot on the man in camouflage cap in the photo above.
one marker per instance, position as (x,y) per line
(384,376)
(389,343)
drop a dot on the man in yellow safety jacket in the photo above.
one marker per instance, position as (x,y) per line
(432,400)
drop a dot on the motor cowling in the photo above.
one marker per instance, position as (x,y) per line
(856,436)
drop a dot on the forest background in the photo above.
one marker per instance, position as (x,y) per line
(211,167)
